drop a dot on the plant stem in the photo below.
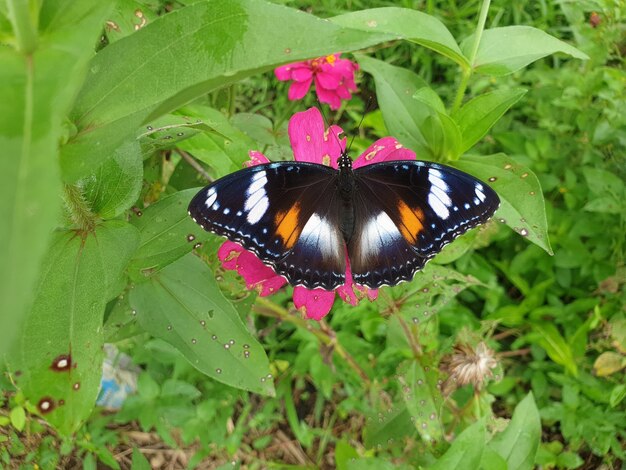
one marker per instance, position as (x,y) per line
(23,16)
(325,335)
(467,73)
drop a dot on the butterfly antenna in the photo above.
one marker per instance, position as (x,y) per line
(367,110)
(327,123)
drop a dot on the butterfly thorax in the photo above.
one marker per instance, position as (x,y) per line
(346,189)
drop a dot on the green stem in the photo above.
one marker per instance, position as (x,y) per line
(23,17)
(467,73)
(324,335)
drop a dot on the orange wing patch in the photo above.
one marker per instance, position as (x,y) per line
(287,226)
(410,222)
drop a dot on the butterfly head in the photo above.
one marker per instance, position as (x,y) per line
(344,162)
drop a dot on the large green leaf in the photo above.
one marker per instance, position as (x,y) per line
(477,116)
(466,450)
(58,359)
(522,206)
(408,24)
(404,116)
(185,54)
(38,82)
(510,48)
(519,442)
(182,304)
(167,234)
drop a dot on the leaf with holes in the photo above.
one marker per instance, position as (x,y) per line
(466,450)
(420,387)
(519,442)
(182,304)
(521,201)
(507,49)
(167,234)
(58,360)
(37,88)
(412,25)
(147,74)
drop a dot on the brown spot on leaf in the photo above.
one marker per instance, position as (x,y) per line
(62,363)
(46,405)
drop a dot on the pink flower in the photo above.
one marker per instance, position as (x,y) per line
(310,143)
(334,78)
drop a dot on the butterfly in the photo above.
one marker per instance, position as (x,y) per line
(303,218)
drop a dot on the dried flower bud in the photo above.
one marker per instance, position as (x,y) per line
(594,20)
(468,365)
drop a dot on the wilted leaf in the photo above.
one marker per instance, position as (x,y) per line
(608,363)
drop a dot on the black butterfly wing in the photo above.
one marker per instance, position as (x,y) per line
(406,212)
(285,213)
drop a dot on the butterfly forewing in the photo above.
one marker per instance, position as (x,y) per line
(283,212)
(406,212)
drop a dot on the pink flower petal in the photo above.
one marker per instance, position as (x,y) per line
(297,90)
(302,74)
(333,145)
(330,81)
(256,158)
(343,92)
(284,71)
(306,134)
(345,68)
(328,96)
(314,303)
(257,275)
(385,149)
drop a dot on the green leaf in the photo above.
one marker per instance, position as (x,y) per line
(225,42)
(519,442)
(617,395)
(507,49)
(393,424)
(36,92)
(221,146)
(549,338)
(404,23)
(18,418)
(404,117)
(59,355)
(256,126)
(116,185)
(522,206)
(182,305)
(466,450)
(477,116)
(167,234)
(139,461)
(423,399)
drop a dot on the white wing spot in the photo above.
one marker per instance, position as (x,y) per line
(211,196)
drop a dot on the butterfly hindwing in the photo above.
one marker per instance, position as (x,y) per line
(406,212)
(284,213)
